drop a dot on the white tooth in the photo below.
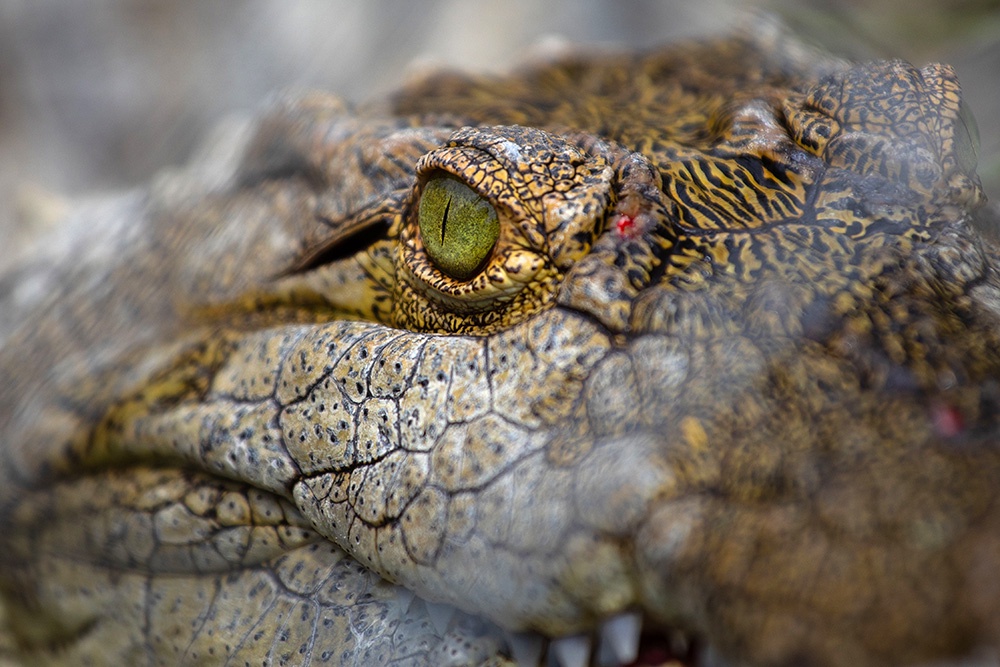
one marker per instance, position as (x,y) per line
(621,635)
(416,605)
(525,648)
(606,656)
(404,597)
(441,615)
(570,651)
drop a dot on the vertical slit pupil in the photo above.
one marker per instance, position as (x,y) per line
(444,218)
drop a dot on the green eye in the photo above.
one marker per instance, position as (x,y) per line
(967,142)
(458,227)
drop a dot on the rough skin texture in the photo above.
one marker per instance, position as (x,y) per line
(734,362)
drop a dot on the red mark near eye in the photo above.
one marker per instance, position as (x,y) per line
(626,226)
(947,420)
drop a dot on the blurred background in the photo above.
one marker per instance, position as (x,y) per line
(101,94)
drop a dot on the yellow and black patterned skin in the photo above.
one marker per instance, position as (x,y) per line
(731,363)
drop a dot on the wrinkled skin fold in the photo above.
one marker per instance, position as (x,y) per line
(732,364)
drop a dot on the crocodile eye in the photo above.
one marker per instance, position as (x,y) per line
(457,226)
(967,139)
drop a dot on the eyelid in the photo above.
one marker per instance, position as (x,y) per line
(345,237)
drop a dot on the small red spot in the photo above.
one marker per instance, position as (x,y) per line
(626,226)
(947,420)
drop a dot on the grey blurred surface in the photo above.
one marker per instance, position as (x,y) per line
(101,94)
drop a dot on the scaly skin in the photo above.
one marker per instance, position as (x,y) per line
(734,362)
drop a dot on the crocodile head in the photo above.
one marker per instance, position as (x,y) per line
(692,353)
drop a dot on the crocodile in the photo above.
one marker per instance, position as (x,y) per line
(688,355)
